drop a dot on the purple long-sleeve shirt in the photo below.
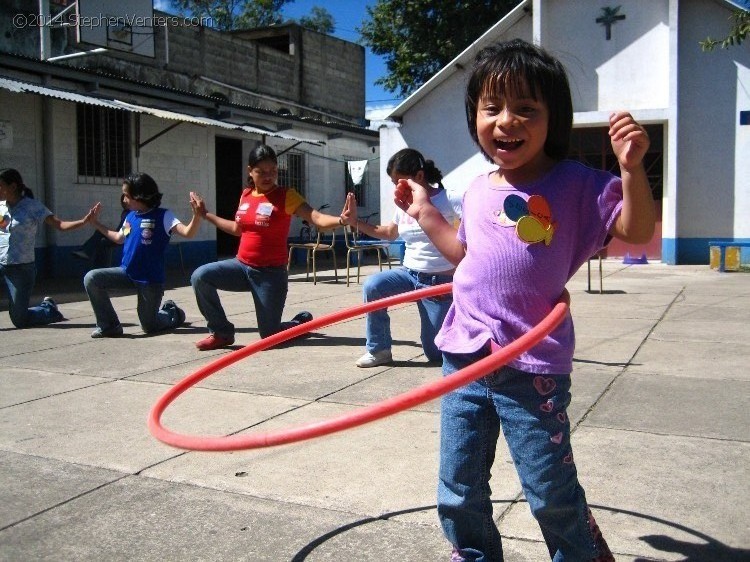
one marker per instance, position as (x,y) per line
(519,256)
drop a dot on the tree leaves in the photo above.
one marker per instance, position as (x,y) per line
(419,37)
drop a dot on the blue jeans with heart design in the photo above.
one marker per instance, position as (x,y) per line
(531,410)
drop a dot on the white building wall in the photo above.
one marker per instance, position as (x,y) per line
(630,71)
(742,155)
(21,123)
(180,161)
(713,86)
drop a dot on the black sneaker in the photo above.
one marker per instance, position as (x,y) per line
(57,316)
(175,312)
(302,317)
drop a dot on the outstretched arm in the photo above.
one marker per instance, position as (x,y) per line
(349,217)
(230,227)
(414,200)
(189,230)
(62,225)
(321,220)
(630,143)
(93,219)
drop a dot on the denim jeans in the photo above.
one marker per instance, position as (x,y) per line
(19,282)
(99,282)
(268,286)
(432,311)
(531,410)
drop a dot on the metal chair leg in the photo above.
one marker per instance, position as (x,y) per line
(315,269)
(348,262)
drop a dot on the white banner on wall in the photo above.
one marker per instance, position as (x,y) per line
(357,170)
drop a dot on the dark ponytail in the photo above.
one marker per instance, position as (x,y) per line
(409,161)
(12,176)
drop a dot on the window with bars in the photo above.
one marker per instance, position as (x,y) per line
(360,190)
(292,171)
(103,144)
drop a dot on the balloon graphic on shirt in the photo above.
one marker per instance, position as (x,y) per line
(531,230)
(533,218)
(515,207)
(539,208)
(4,222)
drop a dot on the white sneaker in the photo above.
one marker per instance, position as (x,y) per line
(375,359)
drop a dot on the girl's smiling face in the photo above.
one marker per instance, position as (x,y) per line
(512,129)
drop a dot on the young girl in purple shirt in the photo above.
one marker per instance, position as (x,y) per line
(527,227)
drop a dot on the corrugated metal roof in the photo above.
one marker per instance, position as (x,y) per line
(112,103)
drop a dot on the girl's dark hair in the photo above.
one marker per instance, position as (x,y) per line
(143,188)
(520,68)
(260,153)
(408,162)
(13,176)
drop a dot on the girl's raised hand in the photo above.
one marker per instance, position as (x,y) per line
(349,212)
(410,197)
(197,204)
(93,215)
(630,140)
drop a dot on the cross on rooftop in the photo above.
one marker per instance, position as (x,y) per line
(608,18)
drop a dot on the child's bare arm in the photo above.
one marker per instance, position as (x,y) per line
(199,207)
(190,230)
(630,143)
(414,200)
(93,219)
(61,225)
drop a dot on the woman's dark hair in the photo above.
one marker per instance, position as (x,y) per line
(13,176)
(143,188)
(522,69)
(260,153)
(408,162)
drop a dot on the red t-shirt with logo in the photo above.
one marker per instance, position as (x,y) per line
(264,220)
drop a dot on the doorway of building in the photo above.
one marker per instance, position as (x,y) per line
(591,146)
(230,177)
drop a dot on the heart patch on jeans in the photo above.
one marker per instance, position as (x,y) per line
(544,386)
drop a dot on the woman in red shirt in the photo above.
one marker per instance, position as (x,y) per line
(262,222)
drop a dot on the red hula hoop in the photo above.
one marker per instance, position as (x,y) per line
(364,415)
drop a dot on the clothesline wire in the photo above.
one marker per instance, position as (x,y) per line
(336,159)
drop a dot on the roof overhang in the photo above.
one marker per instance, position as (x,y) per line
(17,86)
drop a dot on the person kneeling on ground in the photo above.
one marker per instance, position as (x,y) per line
(262,222)
(20,218)
(145,234)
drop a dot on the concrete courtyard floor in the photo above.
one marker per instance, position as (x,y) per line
(661,396)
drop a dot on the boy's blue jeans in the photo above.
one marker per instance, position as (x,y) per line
(19,281)
(432,311)
(268,286)
(98,284)
(531,410)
